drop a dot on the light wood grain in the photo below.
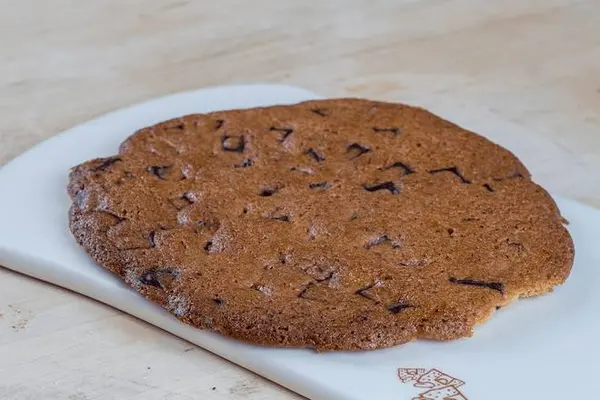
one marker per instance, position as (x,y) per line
(534,64)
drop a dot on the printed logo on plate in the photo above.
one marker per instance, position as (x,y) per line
(434,384)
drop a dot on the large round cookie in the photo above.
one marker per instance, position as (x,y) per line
(335,224)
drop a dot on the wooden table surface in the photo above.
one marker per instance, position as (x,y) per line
(533,64)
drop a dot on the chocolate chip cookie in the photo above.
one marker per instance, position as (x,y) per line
(338,224)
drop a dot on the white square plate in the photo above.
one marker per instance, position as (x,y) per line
(542,348)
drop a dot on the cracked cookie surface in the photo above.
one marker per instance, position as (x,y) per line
(335,224)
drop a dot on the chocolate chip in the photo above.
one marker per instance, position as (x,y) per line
(182,201)
(189,197)
(219,124)
(105,164)
(285,133)
(395,308)
(208,246)
(284,258)
(161,172)
(158,277)
(453,170)
(319,185)
(376,241)
(244,164)
(236,144)
(267,192)
(304,292)
(382,186)
(321,272)
(315,155)
(394,131)
(488,187)
(357,150)
(149,278)
(151,237)
(515,175)
(406,170)
(180,126)
(320,111)
(498,286)
(118,218)
(379,240)
(218,301)
(364,292)
(282,218)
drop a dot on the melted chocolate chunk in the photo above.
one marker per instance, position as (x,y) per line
(406,170)
(189,197)
(235,144)
(319,185)
(282,218)
(106,164)
(328,277)
(453,170)
(161,172)
(488,187)
(186,199)
(321,272)
(498,286)
(151,237)
(118,218)
(149,278)
(315,155)
(382,186)
(284,258)
(365,292)
(393,130)
(304,292)
(285,133)
(379,240)
(244,164)
(357,150)
(219,302)
(395,308)
(158,277)
(267,192)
